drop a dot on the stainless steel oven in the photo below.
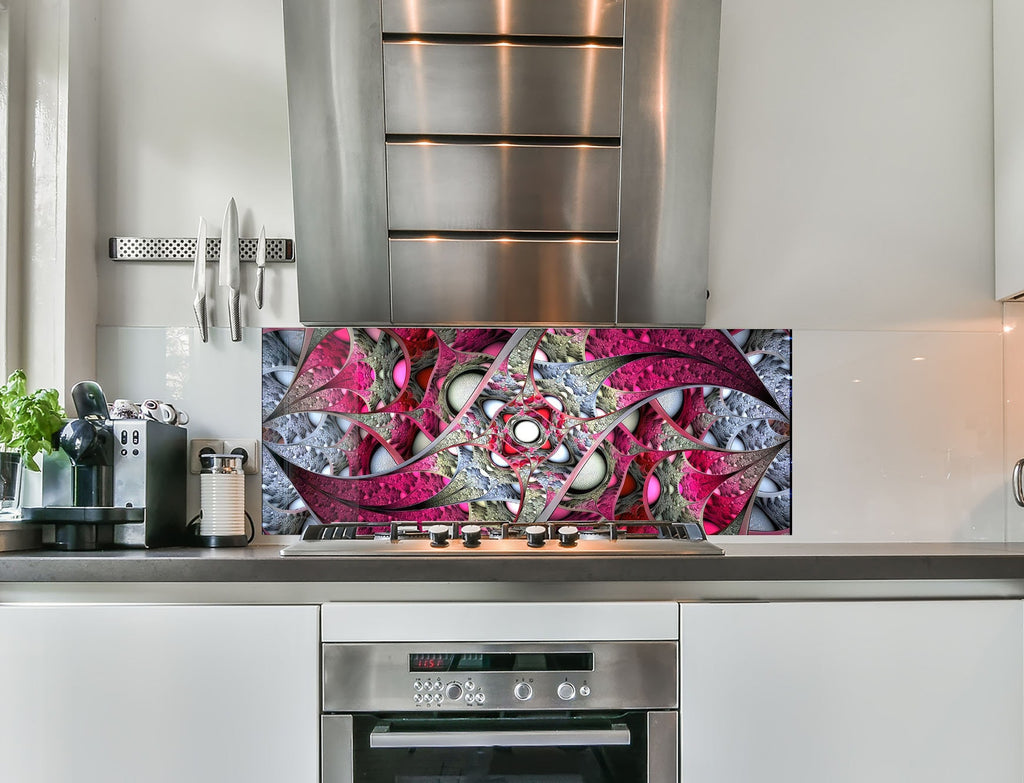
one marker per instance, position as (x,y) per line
(522,712)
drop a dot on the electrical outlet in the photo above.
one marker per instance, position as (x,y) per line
(199,446)
(250,449)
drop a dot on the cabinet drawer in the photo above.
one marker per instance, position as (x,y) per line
(594,18)
(502,187)
(502,89)
(503,281)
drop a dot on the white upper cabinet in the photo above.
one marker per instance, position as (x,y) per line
(1008,115)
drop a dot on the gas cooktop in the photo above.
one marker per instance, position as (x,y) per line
(621,538)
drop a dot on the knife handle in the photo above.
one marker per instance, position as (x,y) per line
(235,317)
(258,294)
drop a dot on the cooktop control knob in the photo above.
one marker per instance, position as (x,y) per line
(471,536)
(535,535)
(566,691)
(453,691)
(438,535)
(523,691)
(568,535)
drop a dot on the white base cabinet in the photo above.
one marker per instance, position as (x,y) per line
(852,692)
(159,694)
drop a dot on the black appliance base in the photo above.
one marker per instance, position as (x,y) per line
(219,541)
(77,515)
(83,528)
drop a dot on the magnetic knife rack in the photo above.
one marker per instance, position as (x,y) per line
(279,251)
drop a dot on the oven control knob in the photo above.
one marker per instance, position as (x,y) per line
(438,535)
(523,691)
(568,535)
(566,691)
(453,691)
(584,690)
(471,536)
(535,535)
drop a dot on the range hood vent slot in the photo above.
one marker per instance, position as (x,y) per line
(569,18)
(497,39)
(505,141)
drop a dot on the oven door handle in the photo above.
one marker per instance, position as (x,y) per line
(383,737)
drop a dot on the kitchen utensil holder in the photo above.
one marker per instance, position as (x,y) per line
(279,251)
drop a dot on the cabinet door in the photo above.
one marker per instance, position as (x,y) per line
(1008,119)
(159,694)
(860,691)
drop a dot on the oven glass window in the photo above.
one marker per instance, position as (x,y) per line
(535,756)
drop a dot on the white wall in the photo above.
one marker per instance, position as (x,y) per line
(1008,120)
(852,202)
(194,112)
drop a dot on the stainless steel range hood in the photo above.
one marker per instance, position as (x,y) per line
(502,161)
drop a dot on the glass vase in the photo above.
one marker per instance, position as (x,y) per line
(11,469)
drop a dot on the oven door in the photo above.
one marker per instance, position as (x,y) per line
(630,747)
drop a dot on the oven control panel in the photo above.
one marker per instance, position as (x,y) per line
(520,676)
(439,692)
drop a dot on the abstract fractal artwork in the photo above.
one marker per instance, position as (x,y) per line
(493,425)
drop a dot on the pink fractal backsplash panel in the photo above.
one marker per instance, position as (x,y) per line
(523,425)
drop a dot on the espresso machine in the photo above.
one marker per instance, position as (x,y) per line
(112,483)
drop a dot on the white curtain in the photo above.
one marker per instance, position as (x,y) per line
(5,182)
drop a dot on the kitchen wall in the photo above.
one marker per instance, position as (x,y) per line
(852,203)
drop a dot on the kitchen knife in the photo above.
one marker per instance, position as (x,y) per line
(261,262)
(199,282)
(229,274)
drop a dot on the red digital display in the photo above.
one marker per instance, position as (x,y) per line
(430,662)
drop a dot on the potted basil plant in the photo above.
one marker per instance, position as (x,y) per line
(28,423)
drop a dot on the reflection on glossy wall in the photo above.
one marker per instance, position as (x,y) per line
(502,425)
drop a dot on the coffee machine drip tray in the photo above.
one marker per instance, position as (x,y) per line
(83,528)
(91,515)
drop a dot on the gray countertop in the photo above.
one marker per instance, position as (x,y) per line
(998,566)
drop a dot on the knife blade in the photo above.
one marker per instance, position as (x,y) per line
(261,262)
(199,282)
(229,272)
